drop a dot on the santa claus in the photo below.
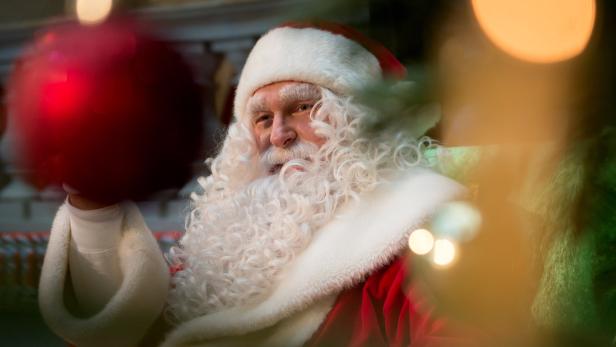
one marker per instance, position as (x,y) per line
(297,237)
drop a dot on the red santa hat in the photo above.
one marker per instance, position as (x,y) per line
(329,55)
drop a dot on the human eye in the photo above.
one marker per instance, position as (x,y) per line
(304,106)
(262,119)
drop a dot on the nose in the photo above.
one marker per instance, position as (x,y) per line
(282,134)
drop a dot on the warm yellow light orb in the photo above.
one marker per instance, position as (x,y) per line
(541,31)
(421,241)
(444,252)
(93,11)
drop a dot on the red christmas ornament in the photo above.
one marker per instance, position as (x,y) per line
(110,110)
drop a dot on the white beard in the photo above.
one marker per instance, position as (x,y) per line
(240,236)
(235,248)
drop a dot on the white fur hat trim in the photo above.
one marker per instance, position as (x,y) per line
(305,55)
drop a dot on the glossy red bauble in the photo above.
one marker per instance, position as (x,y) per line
(110,110)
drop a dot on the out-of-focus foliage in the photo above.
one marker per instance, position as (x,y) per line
(408,105)
(576,244)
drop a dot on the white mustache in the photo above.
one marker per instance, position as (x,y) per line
(276,156)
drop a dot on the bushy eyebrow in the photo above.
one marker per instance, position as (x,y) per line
(290,93)
(303,91)
(256,104)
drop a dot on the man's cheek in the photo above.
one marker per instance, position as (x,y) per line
(262,142)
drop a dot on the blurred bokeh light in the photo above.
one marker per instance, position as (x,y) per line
(421,241)
(457,220)
(542,31)
(93,11)
(445,252)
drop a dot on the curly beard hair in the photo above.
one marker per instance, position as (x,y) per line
(246,227)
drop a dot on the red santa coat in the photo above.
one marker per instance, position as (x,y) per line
(387,310)
(311,304)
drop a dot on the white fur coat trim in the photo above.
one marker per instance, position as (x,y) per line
(130,312)
(364,237)
(293,331)
(305,55)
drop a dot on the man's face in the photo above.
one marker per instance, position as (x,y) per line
(280,115)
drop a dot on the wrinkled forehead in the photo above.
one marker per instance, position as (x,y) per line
(289,93)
